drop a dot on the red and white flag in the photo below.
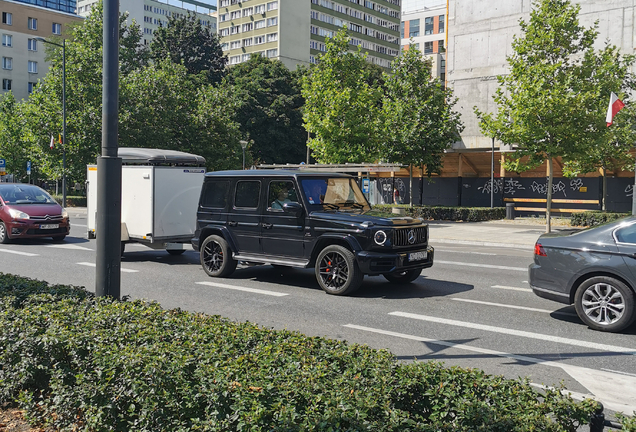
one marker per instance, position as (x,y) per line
(615,105)
(52,142)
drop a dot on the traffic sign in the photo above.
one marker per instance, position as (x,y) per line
(29,168)
(3,167)
(365,185)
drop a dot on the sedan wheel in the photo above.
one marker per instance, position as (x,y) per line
(337,271)
(4,237)
(216,257)
(605,303)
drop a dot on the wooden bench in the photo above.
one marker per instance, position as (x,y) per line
(554,201)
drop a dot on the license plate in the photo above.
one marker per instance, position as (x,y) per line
(49,226)
(417,256)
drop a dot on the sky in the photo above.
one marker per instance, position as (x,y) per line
(412,5)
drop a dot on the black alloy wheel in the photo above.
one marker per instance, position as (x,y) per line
(4,236)
(403,277)
(216,257)
(605,304)
(337,271)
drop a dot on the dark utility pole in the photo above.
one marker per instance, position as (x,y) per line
(108,229)
(492,174)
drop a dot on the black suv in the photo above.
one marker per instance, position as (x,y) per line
(305,219)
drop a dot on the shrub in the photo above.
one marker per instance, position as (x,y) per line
(593,218)
(466,214)
(73,361)
(71,200)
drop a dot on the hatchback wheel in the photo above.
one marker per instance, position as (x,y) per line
(403,277)
(337,271)
(605,304)
(216,257)
(4,236)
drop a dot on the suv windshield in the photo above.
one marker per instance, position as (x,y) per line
(336,193)
(24,194)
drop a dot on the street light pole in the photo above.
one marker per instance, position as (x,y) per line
(243,145)
(63,46)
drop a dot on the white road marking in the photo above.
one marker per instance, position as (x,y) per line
(70,246)
(88,264)
(18,252)
(240,288)
(512,306)
(78,225)
(520,333)
(464,252)
(523,269)
(616,392)
(511,288)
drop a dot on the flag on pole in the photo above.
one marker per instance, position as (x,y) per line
(615,105)
(52,142)
(60,138)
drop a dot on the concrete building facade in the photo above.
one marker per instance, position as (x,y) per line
(150,14)
(480,34)
(22,55)
(424,28)
(294,31)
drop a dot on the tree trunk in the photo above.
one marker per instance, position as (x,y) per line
(548,203)
(411,186)
(604,196)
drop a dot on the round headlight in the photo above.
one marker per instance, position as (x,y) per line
(379,237)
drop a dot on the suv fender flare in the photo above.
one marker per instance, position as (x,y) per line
(346,240)
(220,231)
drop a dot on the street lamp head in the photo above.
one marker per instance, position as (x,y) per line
(243,144)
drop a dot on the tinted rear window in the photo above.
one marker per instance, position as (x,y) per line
(247,194)
(215,193)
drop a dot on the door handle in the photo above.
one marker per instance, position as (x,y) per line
(267,225)
(232,223)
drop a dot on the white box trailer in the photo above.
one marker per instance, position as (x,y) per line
(159,197)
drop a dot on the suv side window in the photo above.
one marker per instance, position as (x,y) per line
(247,194)
(215,194)
(626,234)
(281,192)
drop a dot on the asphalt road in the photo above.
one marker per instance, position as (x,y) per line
(473,308)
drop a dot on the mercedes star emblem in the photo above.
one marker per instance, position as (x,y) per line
(411,237)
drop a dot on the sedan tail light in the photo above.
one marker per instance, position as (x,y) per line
(538,250)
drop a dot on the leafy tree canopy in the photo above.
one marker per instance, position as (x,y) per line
(185,40)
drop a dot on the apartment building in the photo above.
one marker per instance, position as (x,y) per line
(424,28)
(294,31)
(22,54)
(151,14)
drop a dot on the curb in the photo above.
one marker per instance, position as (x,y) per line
(482,243)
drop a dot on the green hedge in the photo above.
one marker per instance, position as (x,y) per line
(71,201)
(466,214)
(72,361)
(593,218)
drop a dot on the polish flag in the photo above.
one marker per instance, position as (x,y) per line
(52,142)
(615,105)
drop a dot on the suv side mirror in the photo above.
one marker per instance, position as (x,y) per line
(293,207)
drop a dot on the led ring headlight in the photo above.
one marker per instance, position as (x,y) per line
(379,237)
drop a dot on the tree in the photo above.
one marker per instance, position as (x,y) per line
(185,40)
(549,102)
(13,147)
(420,121)
(270,109)
(342,110)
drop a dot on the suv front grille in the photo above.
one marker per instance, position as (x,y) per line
(416,236)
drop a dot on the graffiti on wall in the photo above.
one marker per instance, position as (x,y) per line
(629,190)
(542,188)
(512,186)
(494,186)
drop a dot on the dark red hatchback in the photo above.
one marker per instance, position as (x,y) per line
(27,211)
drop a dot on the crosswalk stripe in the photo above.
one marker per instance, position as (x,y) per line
(512,306)
(490,266)
(511,288)
(123,270)
(15,252)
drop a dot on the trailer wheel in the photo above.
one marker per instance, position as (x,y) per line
(216,257)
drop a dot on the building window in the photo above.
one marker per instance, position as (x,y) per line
(259,40)
(428,47)
(414,28)
(259,24)
(248,12)
(30,87)
(428,26)
(32,45)
(272,5)
(440,46)
(57,28)
(33,23)
(272,53)
(235,44)
(442,65)
(248,27)
(402,30)
(7,18)
(7,40)
(225,3)
(33,67)
(236,14)
(272,37)
(247,42)
(224,17)
(259,9)
(441,24)
(235,29)
(272,21)
(246,57)
(6,84)
(235,60)
(7,63)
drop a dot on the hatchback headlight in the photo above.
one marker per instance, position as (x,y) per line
(379,237)
(17,214)
(64,213)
